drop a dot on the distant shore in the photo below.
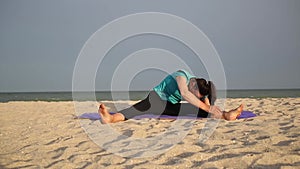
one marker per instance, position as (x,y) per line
(137,95)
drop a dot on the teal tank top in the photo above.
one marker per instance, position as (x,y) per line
(168,89)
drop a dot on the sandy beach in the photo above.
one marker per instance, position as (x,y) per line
(46,135)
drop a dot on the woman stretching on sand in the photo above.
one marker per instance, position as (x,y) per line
(165,100)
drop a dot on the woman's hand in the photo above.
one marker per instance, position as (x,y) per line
(216,112)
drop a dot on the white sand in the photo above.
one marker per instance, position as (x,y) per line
(45,135)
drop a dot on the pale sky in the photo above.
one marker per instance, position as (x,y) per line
(258,42)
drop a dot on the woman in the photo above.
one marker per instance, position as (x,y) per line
(166,97)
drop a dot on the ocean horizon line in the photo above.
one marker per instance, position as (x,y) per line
(137,95)
(68,91)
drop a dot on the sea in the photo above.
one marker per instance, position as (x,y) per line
(135,95)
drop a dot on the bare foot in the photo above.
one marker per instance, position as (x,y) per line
(233,114)
(104,114)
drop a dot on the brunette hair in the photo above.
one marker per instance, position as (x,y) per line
(207,88)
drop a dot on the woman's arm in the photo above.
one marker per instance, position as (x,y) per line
(192,99)
(206,101)
(188,96)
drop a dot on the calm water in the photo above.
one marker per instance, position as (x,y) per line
(134,95)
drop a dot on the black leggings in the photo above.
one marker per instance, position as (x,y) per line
(153,104)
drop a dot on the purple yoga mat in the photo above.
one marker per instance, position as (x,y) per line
(246,114)
(96,116)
